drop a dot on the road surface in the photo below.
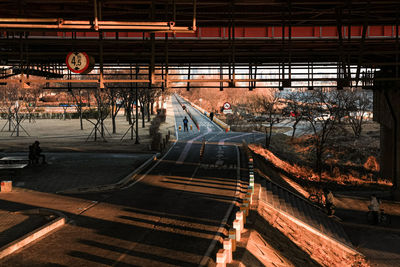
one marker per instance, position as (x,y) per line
(171,215)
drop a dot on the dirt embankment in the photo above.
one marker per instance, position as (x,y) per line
(348,162)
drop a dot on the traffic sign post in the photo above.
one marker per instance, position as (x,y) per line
(227,108)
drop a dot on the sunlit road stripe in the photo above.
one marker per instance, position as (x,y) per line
(187,147)
(224,221)
(222,141)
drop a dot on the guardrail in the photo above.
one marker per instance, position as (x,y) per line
(220,123)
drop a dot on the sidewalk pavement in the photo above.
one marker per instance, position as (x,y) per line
(14,223)
(65,135)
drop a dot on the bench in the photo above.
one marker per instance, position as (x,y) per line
(14,162)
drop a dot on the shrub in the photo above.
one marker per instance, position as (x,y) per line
(162,114)
(156,141)
(372,164)
(155,126)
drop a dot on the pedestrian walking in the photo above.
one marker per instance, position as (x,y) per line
(185,124)
(374,207)
(329,201)
(211,116)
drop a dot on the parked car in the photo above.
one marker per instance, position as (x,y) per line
(260,118)
(323,117)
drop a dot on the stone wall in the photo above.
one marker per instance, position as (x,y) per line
(322,249)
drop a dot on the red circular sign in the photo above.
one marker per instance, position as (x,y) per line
(77,62)
(227,105)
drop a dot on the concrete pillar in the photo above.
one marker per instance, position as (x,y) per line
(387,152)
(387,113)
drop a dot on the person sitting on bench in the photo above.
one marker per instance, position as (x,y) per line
(35,153)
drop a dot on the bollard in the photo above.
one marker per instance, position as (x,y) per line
(227,244)
(221,258)
(180,128)
(250,189)
(232,236)
(241,218)
(249,198)
(191,127)
(246,203)
(6,186)
(243,209)
(236,226)
(203,146)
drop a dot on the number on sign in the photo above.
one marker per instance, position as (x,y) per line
(78,62)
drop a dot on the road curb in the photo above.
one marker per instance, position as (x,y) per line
(110,187)
(132,175)
(36,234)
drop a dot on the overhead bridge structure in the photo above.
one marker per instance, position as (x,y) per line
(250,43)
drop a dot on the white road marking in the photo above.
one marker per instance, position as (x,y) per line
(221,228)
(222,141)
(187,147)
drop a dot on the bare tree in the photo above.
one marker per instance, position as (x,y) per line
(143,104)
(78,99)
(30,99)
(66,104)
(103,110)
(114,95)
(356,109)
(12,95)
(296,106)
(267,104)
(320,112)
(9,95)
(128,97)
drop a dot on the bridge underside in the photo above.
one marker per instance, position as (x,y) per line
(372,52)
(347,36)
